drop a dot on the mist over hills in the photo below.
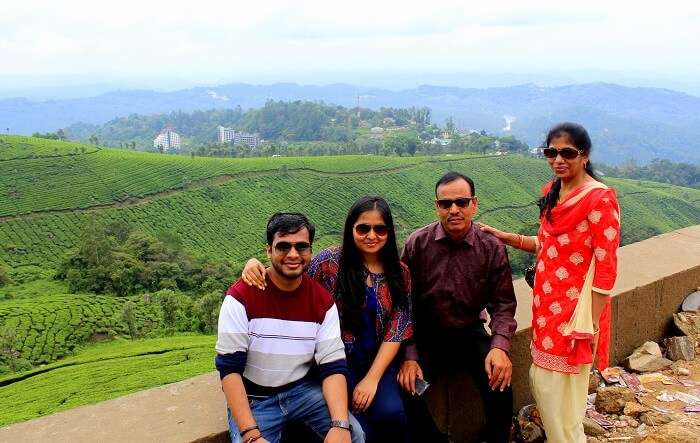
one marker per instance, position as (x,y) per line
(624,122)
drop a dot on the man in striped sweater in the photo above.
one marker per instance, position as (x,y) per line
(274,346)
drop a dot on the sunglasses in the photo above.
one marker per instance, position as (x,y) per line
(364,228)
(284,247)
(462,202)
(567,153)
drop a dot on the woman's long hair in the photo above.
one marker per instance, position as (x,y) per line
(580,139)
(351,284)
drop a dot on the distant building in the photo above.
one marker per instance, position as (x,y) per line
(167,140)
(230,135)
(537,152)
(226,135)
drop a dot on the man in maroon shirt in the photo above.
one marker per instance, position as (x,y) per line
(457,272)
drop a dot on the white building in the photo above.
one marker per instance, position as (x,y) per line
(226,135)
(168,140)
(230,135)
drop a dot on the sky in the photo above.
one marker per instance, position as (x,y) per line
(323,42)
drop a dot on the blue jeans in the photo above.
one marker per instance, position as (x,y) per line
(385,419)
(304,403)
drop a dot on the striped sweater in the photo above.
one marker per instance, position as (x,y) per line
(273,337)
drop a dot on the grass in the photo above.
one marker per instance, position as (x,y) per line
(218,208)
(102,372)
(52,326)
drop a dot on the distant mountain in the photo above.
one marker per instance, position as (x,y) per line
(625,122)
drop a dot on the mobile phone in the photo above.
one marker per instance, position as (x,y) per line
(421,386)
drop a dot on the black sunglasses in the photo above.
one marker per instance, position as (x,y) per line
(567,153)
(364,228)
(284,247)
(462,202)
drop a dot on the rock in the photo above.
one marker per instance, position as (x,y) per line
(529,425)
(688,323)
(612,399)
(673,433)
(633,409)
(531,433)
(594,381)
(632,422)
(692,302)
(592,440)
(680,370)
(653,418)
(647,358)
(590,427)
(680,348)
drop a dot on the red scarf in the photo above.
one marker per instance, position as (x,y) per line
(564,218)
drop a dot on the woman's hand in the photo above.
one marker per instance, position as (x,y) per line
(254,274)
(363,394)
(505,237)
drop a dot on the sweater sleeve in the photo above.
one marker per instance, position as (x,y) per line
(604,220)
(330,350)
(232,341)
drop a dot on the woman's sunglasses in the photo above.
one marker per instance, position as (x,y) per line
(567,153)
(364,228)
(284,247)
(446,203)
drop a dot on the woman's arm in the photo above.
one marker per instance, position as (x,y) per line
(525,243)
(366,389)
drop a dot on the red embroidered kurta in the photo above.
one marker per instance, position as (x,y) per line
(584,227)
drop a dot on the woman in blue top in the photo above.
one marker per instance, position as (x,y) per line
(372,290)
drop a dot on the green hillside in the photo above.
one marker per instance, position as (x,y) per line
(104,371)
(218,207)
(215,208)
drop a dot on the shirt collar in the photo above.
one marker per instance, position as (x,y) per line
(440,234)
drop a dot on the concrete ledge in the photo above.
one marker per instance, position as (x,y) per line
(192,410)
(655,275)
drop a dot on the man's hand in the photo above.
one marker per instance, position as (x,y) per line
(409,371)
(499,369)
(338,435)
(254,274)
(363,394)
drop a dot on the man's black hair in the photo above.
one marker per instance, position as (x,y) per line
(288,223)
(452,176)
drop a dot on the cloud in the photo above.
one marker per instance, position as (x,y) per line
(214,39)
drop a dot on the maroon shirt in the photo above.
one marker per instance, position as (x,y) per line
(454,281)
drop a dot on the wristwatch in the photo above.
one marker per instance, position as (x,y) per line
(343,424)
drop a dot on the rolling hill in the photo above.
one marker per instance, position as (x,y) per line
(625,122)
(218,208)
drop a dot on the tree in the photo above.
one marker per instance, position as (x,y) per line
(61,134)
(206,310)
(169,305)
(8,347)
(129,318)
(450,125)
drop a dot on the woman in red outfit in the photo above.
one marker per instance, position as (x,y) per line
(576,249)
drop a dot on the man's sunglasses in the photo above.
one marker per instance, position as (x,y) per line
(364,228)
(567,153)
(284,247)
(462,202)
